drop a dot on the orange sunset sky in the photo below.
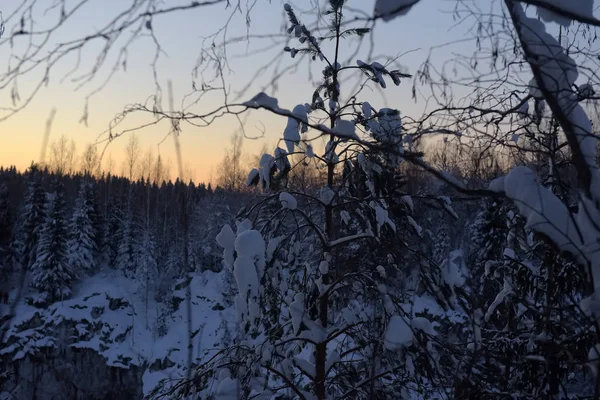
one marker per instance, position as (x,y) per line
(180,35)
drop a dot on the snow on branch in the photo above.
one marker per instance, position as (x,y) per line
(387,10)
(544,212)
(563,12)
(555,74)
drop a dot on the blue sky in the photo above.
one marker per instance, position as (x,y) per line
(428,24)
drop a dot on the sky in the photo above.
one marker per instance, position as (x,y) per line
(181,34)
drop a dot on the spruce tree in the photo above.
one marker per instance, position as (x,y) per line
(128,235)
(82,244)
(147,270)
(51,273)
(6,218)
(32,217)
(6,227)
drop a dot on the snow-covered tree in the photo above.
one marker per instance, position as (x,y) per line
(6,228)
(313,324)
(112,229)
(82,244)
(32,217)
(147,271)
(533,281)
(128,236)
(127,248)
(51,273)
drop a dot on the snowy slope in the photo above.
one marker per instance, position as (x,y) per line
(108,314)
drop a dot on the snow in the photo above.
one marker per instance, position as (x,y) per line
(543,211)
(263,100)
(454,269)
(250,246)
(524,108)
(422,324)
(500,297)
(226,239)
(586,90)
(324,267)
(229,389)
(345,128)
(593,358)
(281,160)
(377,70)
(127,334)
(288,201)
(309,151)
(509,253)
(398,334)
(253,175)
(381,216)
(367,110)
(266,163)
(558,73)
(271,247)
(415,226)
(326,195)
(390,9)
(406,199)
(305,366)
(297,311)
(291,134)
(447,204)
(330,153)
(248,270)
(582,8)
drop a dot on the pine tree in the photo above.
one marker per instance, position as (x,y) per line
(6,228)
(82,244)
(51,273)
(33,217)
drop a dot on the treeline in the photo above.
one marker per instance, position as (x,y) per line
(61,157)
(60,227)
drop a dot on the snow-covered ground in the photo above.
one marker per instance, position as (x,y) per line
(108,313)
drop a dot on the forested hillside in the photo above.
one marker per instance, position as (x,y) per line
(366,253)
